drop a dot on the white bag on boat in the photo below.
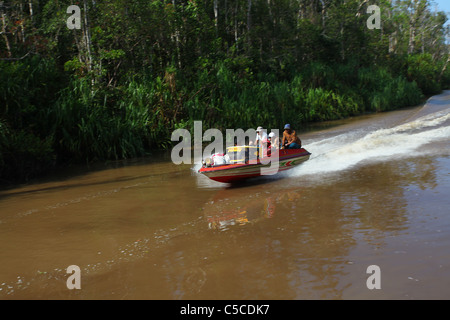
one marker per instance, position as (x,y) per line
(218,159)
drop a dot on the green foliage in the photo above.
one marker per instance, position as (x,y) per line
(381,91)
(328,105)
(26,90)
(424,72)
(91,125)
(137,70)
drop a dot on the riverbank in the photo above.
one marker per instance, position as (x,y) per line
(65,171)
(118,87)
(74,123)
(78,125)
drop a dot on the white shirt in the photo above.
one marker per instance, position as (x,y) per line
(262,137)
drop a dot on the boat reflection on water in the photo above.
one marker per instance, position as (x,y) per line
(240,206)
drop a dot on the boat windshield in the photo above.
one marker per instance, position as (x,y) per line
(242,154)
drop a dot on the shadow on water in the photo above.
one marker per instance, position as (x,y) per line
(65,178)
(72,171)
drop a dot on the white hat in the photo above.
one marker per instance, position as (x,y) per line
(259,129)
(272,134)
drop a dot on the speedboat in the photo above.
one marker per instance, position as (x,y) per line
(243,162)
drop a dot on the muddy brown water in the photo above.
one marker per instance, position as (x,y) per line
(376,191)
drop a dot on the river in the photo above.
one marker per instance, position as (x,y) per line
(376,191)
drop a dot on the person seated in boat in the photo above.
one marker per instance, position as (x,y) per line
(261,137)
(290,139)
(260,142)
(273,141)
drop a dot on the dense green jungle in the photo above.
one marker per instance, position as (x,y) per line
(118,84)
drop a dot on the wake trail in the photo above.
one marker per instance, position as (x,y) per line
(346,150)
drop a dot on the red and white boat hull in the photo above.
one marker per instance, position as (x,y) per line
(228,173)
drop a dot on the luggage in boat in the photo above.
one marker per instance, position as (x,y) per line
(217,159)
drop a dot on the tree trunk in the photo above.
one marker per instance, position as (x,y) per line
(30,6)
(418,7)
(87,35)
(342,42)
(5,36)
(444,68)
(236,37)
(177,38)
(249,22)
(323,12)
(22,23)
(392,36)
(216,15)
(412,36)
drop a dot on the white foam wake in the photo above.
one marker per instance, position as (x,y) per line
(346,150)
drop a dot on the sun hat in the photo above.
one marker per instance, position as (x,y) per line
(259,129)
